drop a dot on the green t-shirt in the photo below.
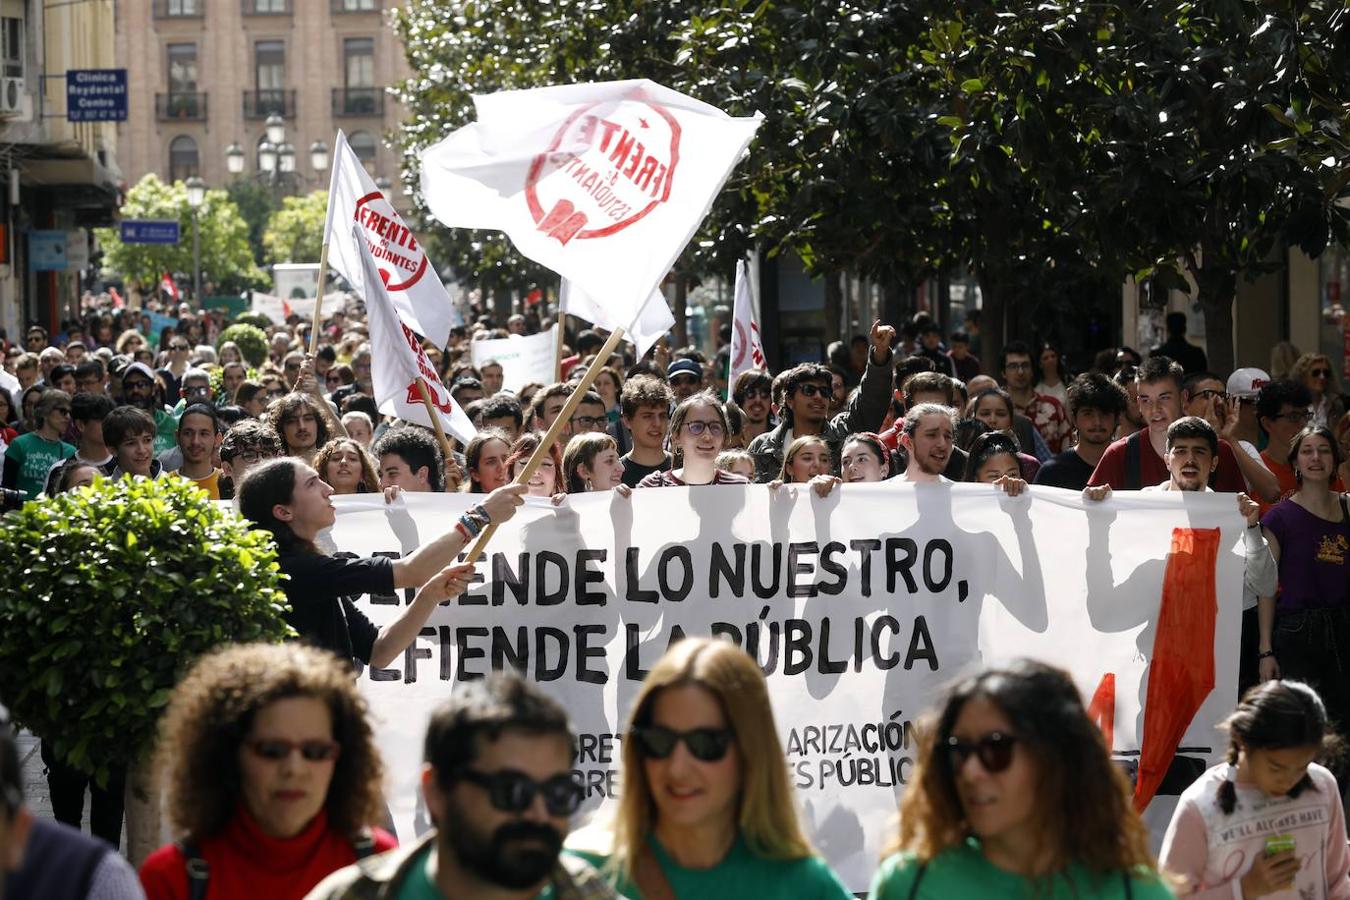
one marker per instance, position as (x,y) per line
(741,874)
(419,886)
(34,457)
(963,873)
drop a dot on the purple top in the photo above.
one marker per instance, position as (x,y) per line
(1314,573)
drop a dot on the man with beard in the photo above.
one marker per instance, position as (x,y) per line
(138,390)
(1096,404)
(498,782)
(753,393)
(928,439)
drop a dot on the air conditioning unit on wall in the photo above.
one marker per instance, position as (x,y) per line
(12,96)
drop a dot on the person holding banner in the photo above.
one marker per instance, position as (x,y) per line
(1269,820)
(994,460)
(864,459)
(706,802)
(289,499)
(698,431)
(591,463)
(1014,794)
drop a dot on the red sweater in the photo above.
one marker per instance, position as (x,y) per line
(246,864)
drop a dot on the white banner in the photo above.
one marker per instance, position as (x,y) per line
(603,183)
(406,272)
(860,607)
(523,359)
(279,309)
(398,360)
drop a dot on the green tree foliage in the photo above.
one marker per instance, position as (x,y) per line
(225,255)
(295,232)
(113,591)
(256,201)
(251,339)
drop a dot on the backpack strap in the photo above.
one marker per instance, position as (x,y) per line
(918,877)
(198,871)
(1133,461)
(363,844)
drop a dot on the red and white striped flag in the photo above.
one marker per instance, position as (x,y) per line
(168,288)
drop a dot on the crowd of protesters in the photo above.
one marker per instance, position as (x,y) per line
(1014,791)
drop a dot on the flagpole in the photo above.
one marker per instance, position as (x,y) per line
(564,417)
(318,304)
(558,349)
(447,446)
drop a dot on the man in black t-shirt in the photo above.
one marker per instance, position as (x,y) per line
(645,402)
(1096,404)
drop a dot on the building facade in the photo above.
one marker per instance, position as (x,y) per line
(217,69)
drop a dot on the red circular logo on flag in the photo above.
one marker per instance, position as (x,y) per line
(401,260)
(607,167)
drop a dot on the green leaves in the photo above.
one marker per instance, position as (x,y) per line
(116,590)
(295,232)
(251,339)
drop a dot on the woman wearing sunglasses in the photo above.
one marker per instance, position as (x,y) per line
(706,805)
(1014,795)
(271,773)
(698,433)
(1316,373)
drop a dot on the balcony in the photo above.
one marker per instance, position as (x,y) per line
(179,9)
(354,6)
(263,103)
(266,7)
(181,106)
(358,101)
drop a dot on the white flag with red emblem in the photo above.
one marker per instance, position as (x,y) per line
(652,322)
(397,360)
(603,183)
(747,345)
(406,273)
(168,288)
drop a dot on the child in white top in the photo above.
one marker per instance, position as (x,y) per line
(1269,822)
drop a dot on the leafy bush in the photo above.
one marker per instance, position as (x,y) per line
(251,339)
(217,379)
(256,319)
(109,594)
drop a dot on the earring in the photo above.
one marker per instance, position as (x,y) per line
(588,485)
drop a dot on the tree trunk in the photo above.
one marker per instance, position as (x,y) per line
(993,325)
(894,297)
(144,826)
(1217,291)
(834,304)
(680,310)
(501,306)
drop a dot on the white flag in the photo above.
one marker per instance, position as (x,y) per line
(397,360)
(747,346)
(407,274)
(653,320)
(603,183)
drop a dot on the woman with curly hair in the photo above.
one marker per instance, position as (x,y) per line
(1014,795)
(273,779)
(1315,372)
(706,804)
(347,467)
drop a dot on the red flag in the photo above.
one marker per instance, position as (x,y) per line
(118,302)
(168,288)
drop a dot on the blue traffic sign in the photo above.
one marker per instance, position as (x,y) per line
(149,231)
(96,95)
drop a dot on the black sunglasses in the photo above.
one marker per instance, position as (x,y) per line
(278,749)
(704,744)
(995,751)
(813,390)
(1324,373)
(513,792)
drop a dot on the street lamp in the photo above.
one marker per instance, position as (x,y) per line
(286,157)
(196,196)
(234,158)
(276,128)
(267,157)
(318,156)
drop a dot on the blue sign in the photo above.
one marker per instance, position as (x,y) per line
(47,251)
(96,95)
(149,231)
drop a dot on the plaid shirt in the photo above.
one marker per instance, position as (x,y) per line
(381,877)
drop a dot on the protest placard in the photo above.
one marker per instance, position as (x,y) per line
(860,607)
(523,359)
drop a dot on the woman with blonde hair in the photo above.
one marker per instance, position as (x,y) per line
(273,779)
(347,467)
(1014,794)
(706,802)
(1315,372)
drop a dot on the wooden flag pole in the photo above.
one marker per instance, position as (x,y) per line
(447,446)
(558,349)
(318,301)
(564,417)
